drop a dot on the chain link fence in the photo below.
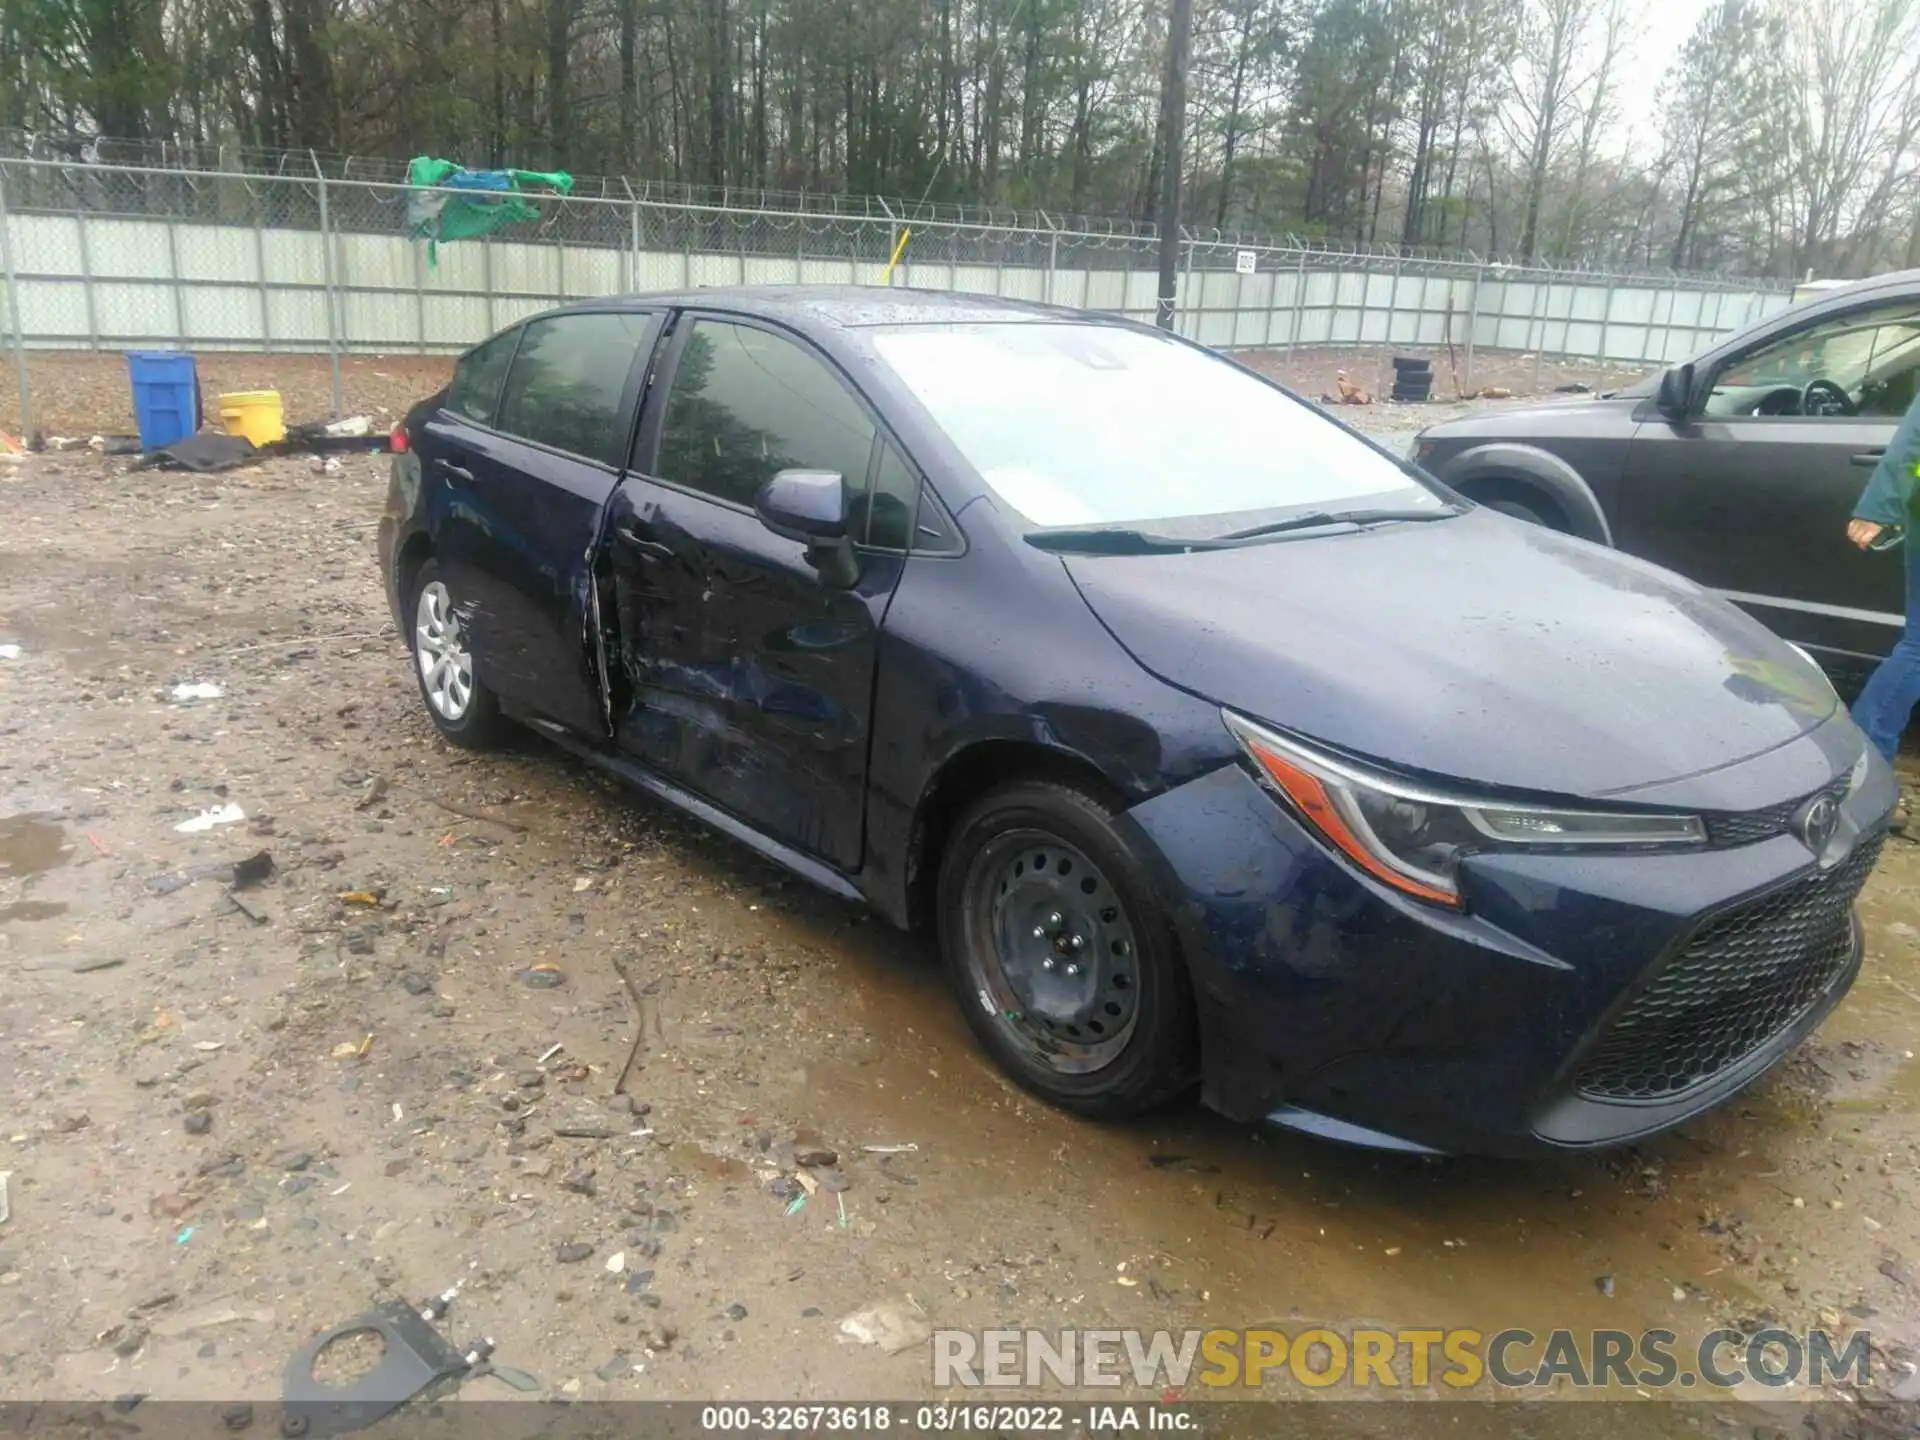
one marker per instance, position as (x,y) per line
(118,256)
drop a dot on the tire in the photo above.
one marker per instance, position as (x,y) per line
(468,713)
(1409,395)
(1036,880)
(1405,367)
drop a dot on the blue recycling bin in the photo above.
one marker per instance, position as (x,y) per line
(166,396)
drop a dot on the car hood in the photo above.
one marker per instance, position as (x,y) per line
(1564,415)
(1476,648)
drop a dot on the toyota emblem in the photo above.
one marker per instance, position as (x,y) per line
(1816,822)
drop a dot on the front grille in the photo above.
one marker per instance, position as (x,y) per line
(1738,982)
(1748,826)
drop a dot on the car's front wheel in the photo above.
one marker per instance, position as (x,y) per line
(1062,959)
(461,707)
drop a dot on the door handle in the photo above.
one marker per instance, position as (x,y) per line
(1866,459)
(456,471)
(651,548)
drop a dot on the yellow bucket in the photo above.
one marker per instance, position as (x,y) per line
(255,414)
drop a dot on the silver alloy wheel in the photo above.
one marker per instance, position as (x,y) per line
(439,645)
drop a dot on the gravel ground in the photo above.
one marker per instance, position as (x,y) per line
(394,1070)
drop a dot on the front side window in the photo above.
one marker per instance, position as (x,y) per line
(1861,363)
(477,378)
(568,380)
(1096,425)
(746,404)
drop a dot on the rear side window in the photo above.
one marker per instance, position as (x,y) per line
(747,404)
(568,379)
(477,378)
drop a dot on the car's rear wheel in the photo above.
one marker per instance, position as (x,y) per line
(461,707)
(1063,960)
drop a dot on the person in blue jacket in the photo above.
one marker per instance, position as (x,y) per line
(1886,703)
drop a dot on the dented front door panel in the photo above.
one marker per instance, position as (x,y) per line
(746,679)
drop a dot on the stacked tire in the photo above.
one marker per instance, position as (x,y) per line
(1412,380)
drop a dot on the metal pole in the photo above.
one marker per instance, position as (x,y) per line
(1193,299)
(326,270)
(1473,321)
(1173,111)
(1299,302)
(1606,315)
(486,278)
(86,276)
(1541,295)
(260,269)
(633,249)
(179,289)
(1053,263)
(419,299)
(13,311)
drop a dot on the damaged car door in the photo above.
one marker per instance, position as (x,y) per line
(750,671)
(530,475)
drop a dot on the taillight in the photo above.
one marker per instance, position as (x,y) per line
(397,441)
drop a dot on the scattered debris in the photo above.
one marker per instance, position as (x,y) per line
(551,1051)
(542,977)
(6,1204)
(890,1149)
(253,870)
(188,691)
(207,819)
(207,451)
(1604,1285)
(1496,392)
(416,1357)
(573,1252)
(9,652)
(892,1325)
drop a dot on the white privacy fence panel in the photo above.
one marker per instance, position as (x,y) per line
(100,257)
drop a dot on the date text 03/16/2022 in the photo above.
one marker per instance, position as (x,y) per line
(940,1418)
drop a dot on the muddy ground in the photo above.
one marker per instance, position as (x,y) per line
(227,1131)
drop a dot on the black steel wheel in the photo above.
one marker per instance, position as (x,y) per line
(1062,959)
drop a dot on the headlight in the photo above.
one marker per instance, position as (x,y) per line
(1413,838)
(1857,775)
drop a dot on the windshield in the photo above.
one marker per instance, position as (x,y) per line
(1087,425)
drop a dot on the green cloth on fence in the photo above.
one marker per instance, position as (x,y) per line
(450,202)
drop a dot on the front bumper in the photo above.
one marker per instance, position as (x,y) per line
(1333,1004)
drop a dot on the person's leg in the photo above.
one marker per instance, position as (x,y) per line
(1886,701)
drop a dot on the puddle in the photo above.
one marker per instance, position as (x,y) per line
(31,910)
(31,844)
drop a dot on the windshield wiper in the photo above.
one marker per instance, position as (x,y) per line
(1334,517)
(1104,540)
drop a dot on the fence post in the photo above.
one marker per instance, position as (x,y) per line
(1606,314)
(1299,301)
(86,275)
(326,275)
(173,269)
(1191,304)
(260,269)
(13,311)
(631,274)
(1053,263)
(1542,302)
(486,278)
(1473,320)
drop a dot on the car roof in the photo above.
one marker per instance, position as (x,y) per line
(845,307)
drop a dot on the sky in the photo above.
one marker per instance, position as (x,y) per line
(1664,27)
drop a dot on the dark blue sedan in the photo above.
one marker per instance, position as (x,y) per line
(1219,748)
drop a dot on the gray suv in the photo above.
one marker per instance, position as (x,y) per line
(1738,468)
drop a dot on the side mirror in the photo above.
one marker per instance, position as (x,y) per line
(811,506)
(1674,398)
